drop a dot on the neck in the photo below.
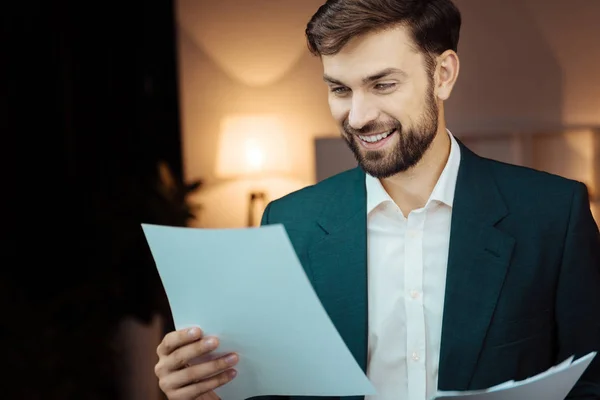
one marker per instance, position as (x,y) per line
(411,189)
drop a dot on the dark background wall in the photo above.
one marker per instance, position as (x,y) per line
(89,110)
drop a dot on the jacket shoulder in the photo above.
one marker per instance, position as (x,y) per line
(305,203)
(528,180)
(535,194)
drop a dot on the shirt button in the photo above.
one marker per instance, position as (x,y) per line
(413,234)
(414,294)
(415,356)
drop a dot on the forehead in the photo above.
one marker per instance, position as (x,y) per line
(372,52)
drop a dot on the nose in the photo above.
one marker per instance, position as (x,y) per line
(361,112)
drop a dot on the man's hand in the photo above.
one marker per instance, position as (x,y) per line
(181,381)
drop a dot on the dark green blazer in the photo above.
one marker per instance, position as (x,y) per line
(523,280)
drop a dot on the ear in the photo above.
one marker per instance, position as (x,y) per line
(447,69)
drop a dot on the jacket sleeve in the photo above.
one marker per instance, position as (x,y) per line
(578,294)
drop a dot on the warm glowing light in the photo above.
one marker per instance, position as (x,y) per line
(252,146)
(254,155)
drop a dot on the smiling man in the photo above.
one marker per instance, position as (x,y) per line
(440,269)
(369,99)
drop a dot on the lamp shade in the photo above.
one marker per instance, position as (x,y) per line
(252,146)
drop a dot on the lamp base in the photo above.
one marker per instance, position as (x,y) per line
(255,197)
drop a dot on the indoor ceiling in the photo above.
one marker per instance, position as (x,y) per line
(255,41)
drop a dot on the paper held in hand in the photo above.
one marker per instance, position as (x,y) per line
(247,287)
(553,384)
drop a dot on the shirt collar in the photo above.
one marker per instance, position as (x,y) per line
(376,194)
(443,191)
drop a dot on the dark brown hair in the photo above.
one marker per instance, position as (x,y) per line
(434,24)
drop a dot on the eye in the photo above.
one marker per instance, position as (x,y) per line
(385,86)
(339,90)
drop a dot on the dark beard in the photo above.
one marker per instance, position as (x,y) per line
(411,146)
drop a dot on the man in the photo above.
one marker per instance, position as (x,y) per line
(440,269)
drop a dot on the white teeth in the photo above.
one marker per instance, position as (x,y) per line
(376,138)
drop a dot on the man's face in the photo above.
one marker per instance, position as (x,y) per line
(381,95)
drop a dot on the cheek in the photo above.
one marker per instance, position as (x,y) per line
(405,106)
(339,109)
(397,106)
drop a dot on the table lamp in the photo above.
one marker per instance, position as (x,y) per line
(252,147)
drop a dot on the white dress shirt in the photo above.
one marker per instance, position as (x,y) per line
(407,260)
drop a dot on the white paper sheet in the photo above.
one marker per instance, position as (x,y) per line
(553,384)
(247,287)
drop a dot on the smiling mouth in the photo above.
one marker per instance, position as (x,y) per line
(376,138)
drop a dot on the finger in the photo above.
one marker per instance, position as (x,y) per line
(201,372)
(176,339)
(209,396)
(185,354)
(197,389)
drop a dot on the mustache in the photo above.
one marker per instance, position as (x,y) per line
(372,127)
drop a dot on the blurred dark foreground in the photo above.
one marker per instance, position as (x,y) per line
(91,145)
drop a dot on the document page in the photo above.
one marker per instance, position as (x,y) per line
(247,287)
(553,384)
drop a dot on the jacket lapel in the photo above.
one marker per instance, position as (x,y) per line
(338,262)
(477,264)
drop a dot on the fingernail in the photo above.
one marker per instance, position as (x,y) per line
(194,332)
(231,359)
(232,373)
(211,342)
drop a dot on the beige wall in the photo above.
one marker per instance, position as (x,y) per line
(526,65)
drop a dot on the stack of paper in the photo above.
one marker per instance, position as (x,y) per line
(553,384)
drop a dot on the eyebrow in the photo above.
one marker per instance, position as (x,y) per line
(371,78)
